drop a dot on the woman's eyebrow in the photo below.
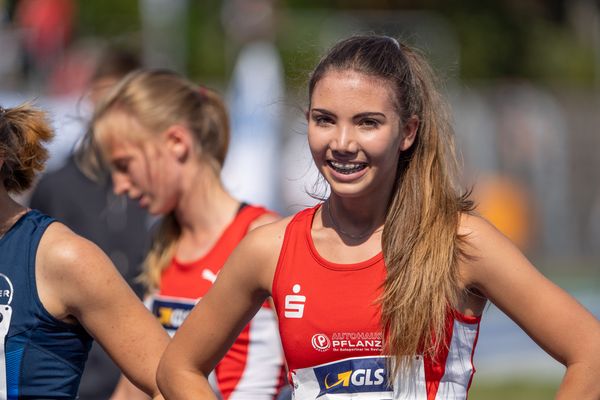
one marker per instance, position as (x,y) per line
(370,114)
(357,116)
(322,111)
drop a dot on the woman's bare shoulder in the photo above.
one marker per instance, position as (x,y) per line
(479,233)
(255,258)
(487,251)
(267,237)
(62,250)
(266,218)
(71,271)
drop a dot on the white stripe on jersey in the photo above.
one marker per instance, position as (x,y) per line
(264,360)
(5,317)
(459,364)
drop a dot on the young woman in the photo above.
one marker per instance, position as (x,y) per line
(379,290)
(89,208)
(166,140)
(58,291)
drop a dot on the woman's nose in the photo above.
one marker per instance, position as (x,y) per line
(121,184)
(345,141)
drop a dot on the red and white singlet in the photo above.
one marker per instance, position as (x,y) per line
(331,335)
(253,367)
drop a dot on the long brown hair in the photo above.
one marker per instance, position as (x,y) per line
(157,99)
(420,243)
(24,130)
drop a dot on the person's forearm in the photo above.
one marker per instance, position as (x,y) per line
(581,382)
(184,385)
(126,390)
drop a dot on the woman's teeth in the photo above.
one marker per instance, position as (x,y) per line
(346,168)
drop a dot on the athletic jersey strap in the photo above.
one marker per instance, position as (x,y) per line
(43,356)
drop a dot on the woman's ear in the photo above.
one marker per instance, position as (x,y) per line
(178,141)
(409,133)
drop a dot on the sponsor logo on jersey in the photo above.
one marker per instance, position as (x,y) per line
(294,303)
(171,312)
(347,341)
(6,290)
(358,375)
(320,342)
(353,341)
(209,275)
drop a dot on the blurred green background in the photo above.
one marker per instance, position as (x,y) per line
(537,40)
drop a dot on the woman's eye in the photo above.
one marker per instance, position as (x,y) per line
(322,120)
(370,123)
(120,166)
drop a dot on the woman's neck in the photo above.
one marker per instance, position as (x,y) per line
(204,210)
(10,211)
(354,218)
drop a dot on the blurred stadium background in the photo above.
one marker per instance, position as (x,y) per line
(522,77)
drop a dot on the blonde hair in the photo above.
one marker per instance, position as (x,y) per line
(157,99)
(24,130)
(420,242)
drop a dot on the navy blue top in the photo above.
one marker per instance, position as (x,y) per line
(44,356)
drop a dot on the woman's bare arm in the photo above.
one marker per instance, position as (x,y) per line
(549,315)
(77,281)
(211,328)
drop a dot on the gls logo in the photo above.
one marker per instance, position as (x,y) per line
(354,375)
(171,312)
(360,377)
(294,303)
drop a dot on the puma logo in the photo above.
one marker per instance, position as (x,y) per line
(209,275)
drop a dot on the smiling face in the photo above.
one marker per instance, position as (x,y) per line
(355,134)
(141,167)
